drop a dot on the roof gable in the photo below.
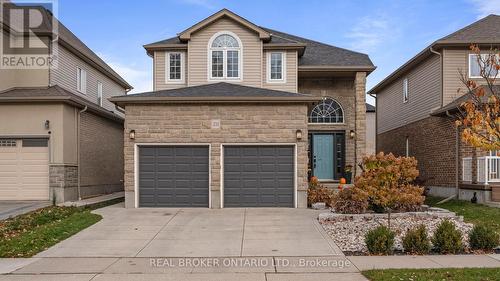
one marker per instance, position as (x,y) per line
(486,30)
(186,34)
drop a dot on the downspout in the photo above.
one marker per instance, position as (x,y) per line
(442,69)
(78,150)
(376,122)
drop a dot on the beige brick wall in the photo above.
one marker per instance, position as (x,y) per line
(101,155)
(242,123)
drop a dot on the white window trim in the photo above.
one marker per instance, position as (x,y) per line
(469,67)
(283,68)
(167,72)
(406,89)
(224,73)
(99,92)
(81,87)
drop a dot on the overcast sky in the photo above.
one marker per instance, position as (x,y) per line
(389,31)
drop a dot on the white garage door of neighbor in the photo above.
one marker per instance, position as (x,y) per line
(24,169)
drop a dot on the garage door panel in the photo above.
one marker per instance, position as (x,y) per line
(24,170)
(259,176)
(178,176)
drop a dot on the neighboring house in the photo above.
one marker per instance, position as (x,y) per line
(60,137)
(239,115)
(371,129)
(415,107)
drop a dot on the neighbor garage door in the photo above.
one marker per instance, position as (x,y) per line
(173,176)
(259,176)
(24,169)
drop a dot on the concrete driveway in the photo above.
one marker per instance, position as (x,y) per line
(168,232)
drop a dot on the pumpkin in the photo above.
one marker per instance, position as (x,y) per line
(343,181)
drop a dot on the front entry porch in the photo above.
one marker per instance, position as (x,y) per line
(327,155)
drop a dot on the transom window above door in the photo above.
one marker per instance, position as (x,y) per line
(327,111)
(224,56)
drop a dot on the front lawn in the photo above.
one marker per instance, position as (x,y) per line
(28,234)
(473,213)
(444,274)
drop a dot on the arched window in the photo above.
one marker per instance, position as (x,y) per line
(225,56)
(327,111)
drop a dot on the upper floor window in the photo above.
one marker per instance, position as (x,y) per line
(225,56)
(405,90)
(276,67)
(99,93)
(476,63)
(175,67)
(327,111)
(81,80)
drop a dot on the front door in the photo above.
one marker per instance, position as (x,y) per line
(327,156)
(323,156)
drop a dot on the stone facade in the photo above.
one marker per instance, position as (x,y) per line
(101,155)
(349,92)
(262,123)
(63,183)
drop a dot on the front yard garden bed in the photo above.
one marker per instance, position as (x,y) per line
(349,230)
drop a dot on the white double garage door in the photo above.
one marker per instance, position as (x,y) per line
(251,176)
(24,169)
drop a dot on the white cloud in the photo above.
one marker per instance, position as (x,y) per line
(369,33)
(202,3)
(141,80)
(139,76)
(486,7)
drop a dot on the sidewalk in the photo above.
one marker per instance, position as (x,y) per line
(94,200)
(263,268)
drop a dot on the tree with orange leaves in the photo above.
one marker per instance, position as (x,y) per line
(479,116)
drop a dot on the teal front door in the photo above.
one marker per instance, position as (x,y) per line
(322,161)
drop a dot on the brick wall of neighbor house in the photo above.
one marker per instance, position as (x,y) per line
(432,142)
(101,155)
(242,123)
(344,91)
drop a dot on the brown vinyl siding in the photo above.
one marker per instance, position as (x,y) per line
(290,83)
(160,78)
(64,75)
(198,51)
(424,87)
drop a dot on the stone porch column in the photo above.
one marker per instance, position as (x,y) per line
(360,122)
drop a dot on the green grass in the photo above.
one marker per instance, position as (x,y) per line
(442,274)
(28,234)
(473,213)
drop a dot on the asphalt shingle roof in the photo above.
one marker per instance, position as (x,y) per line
(484,30)
(370,108)
(221,89)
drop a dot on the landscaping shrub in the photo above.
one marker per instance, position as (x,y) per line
(380,241)
(350,201)
(416,241)
(447,239)
(389,182)
(319,193)
(483,238)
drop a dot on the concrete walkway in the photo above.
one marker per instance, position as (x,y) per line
(228,268)
(94,200)
(10,209)
(161,232)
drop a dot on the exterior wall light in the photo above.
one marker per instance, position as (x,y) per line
(352,134)
(298,134)
(47,124)
(131,134)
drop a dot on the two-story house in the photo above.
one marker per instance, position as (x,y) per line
(60,137)
(240,116)
(416,107)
